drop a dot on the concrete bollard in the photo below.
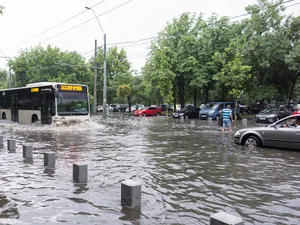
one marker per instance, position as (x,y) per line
(209,119)
(244,122)
(1,141)
(49,159)
(11,145)
(80,173)
(223,218)
(131,194)
(193,123)
(27,151)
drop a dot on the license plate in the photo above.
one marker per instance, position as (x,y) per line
(262,118)
(203,115)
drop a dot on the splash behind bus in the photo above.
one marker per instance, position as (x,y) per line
(46,103)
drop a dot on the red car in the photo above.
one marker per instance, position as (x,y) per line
(148,111)
(296,112)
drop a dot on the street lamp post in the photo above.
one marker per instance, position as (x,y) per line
(104,68)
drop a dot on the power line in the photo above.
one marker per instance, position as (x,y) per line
(129,42)
(127,46)
(88,20)
(52,28)
(88,52)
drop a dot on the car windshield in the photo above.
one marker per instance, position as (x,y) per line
(210,105)
(215,107)
(144,108)
(270,110)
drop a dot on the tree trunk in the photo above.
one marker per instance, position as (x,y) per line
(181,91)
(293,86)
(206,93)
(195,97)
(174,97)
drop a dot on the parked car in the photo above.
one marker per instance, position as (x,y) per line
(115,107)
(135,107)
(212,109)
(148,111)
(203,113)
(271,115)
(123,107)
(164,107)
(279,134)
(100,108)
(188,112)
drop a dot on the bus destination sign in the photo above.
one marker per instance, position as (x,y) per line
(34,90)
(70,88)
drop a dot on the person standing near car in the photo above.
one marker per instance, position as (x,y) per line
(227,118)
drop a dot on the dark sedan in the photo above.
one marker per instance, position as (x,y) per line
(189,112)
(271,115)
(284,133)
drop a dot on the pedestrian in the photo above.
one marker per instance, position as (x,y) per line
(227,118)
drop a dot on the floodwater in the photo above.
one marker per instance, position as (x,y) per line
(188,170)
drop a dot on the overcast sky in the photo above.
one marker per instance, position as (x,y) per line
(25,22)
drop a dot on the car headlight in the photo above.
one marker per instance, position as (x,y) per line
(211,112)
(237,134)
(271,116)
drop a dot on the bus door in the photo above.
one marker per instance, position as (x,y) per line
(46,105)
(14,108)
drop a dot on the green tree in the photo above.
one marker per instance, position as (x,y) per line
(124,91)
(40,64)
(3,79)
(118,69)
(265,49)
(1,9)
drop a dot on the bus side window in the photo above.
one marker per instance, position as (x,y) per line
(34,102)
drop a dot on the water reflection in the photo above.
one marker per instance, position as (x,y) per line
(130,214)
(80,188)
(28,160)
(188,170)
(49,171)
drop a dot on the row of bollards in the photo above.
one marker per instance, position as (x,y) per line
(131,191)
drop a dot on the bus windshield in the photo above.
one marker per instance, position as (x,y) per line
(72,103)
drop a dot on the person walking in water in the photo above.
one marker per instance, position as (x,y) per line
(227,118)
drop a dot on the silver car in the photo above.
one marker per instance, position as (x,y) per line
(284,133)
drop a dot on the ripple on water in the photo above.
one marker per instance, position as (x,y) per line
(188,172)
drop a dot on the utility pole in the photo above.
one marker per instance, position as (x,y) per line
(104,80)
(104,66)
(95,80)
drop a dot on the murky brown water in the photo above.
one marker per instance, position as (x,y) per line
(187,173)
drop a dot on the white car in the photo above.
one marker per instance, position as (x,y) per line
(100,108)
(134,107)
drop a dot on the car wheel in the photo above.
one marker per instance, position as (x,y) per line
(144,114)
(252,141)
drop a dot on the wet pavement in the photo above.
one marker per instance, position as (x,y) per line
(188,170)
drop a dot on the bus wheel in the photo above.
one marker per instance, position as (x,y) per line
(34,118)
(3,116)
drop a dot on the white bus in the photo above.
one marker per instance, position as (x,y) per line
(46,103)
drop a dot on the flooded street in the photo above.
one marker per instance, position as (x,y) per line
(188,172)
